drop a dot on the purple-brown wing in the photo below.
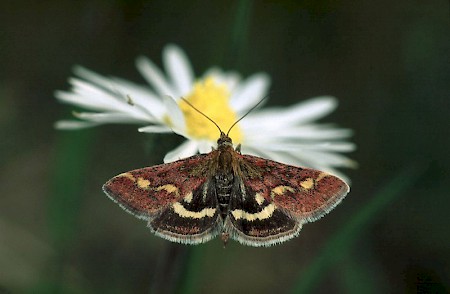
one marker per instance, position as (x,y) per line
(305,194)
(171,198)
(146,190)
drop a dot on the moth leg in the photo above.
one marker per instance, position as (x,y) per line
(238,148)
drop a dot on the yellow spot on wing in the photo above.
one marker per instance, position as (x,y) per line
(280,190)
(169,188)
(263,214)
(259,198)
(183,212)
(188,197)
(143,183)
(307,184)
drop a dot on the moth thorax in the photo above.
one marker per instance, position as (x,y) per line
(224,184)
(225,161)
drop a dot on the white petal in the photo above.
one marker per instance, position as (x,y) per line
(274,133)
(155,129)
(299,113)
(142,98)
(175,114)
(250,92)
(231,78)
(73,124)
(205,146)
(78,100)
(154,77)
(327,134)
(113,117)
(283,157)
(89,96)
(188,148)
(317,160)
(264,153)
(145,101)
(331,159)
(93,77)
(329,146)
(101,101)
(179,69)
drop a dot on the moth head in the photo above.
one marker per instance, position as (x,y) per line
(224,140)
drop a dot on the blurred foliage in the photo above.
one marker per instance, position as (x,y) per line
(386,62)
(340,246)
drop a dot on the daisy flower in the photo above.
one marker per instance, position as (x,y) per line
(289,135)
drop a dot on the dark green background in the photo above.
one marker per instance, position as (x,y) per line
(388,62)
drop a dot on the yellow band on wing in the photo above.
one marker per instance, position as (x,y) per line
(263,214)
(183,212)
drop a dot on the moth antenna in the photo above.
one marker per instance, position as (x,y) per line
(250,110)
(189,103)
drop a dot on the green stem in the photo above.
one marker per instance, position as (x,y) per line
(67,192)
(239,33)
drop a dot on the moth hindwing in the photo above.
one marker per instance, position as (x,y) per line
(255,201)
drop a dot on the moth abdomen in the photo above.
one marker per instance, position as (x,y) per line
(224,184)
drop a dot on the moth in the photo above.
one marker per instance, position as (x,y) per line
(255,201)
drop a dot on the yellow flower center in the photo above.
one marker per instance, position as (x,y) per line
(213,99)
